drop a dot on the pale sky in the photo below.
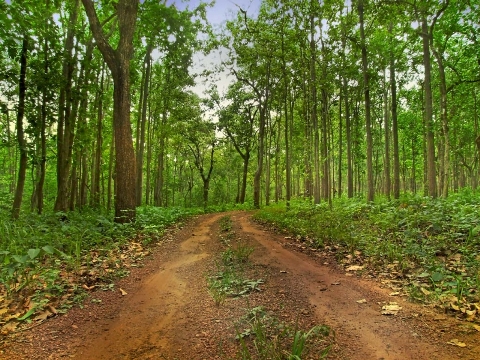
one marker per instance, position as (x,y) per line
(222,11)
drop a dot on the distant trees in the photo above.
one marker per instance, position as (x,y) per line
(326,99)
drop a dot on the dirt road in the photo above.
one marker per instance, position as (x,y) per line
(167,312)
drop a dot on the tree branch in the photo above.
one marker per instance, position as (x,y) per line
(97,31)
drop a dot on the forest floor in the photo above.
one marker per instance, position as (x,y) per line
(165,310)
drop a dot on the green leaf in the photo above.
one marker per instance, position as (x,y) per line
(28,314)
(436,276)
(33,253)
(423,275)
(49,249)
(21,259)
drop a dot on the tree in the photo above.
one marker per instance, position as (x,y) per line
(22,145)
(118,61)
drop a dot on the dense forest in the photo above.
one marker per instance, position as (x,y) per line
(352,124)
(328,99)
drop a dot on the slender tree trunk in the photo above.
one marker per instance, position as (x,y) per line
(316,135)
(445,127)
(149,162)
(98,146)
(386,125)
(396,155)
(82,201)
(38,194)
(141,147)
(325,156)
(22,146)
(111,172)
(66,121)
(340,140)
(268,143)
(431,172)
(243,189)
(368,123)
(287,143)
(158,199)
(261,148)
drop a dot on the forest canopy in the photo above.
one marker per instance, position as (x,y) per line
(101,108)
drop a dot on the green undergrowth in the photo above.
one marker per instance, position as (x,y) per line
(430,248)
(264,336)
(49,261)
(229,279)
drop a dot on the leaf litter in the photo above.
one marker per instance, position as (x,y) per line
(31,305)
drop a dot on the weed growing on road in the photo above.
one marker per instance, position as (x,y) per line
(268,338)
(228,279)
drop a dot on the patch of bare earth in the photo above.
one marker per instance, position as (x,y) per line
(168,313)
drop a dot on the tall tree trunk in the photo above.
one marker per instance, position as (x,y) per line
(22,146)
(261,148)
(386,125)
(38,194)
(149,162)
(396,154)
(66,120)
(268,144)
(98,146)
(111,173)
(340,140)
(445,127)
(118,61)
(141,145)
(325,156)
(368,122)
(313,89)
(159,187)
(431,173)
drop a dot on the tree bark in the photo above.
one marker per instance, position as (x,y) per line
(313,113)
(22,145)
(141,145)
(118,62)
(368,123)
(445,160)
(431,173)
(396,154)
(66,121)
(386,125)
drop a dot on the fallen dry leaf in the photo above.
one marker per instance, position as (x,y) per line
(354,268)
(42,316)
(123,292)
(395,293)
(362,301)
(454,307)
(52,309)
(476,327)
(425,291)
(86,287)
(391,309)
(10,327)
(456,342)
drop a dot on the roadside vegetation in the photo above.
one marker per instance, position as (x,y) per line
(426,249)
(49,262)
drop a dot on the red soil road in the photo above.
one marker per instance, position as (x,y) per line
(140,330)
(157,319)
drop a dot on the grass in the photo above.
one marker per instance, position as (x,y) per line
(52,258)
(229,280)
(431,245)
(265,337)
